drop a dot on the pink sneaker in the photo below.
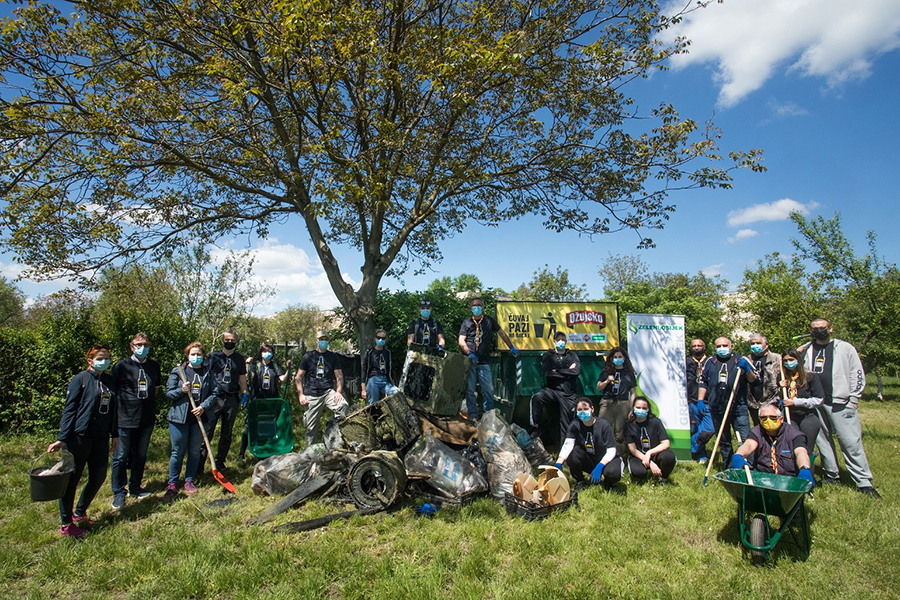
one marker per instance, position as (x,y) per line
(73,531)
(189,488)
(171,490)
(82,521)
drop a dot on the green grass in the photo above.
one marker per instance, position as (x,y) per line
(680,541)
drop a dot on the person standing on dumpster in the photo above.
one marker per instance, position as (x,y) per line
(476,339)
(425,329)
(590,447)
(376,371)
(320,385)
(561,368)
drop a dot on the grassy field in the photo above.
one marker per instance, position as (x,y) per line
(679,541)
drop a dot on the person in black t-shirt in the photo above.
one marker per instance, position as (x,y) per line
(561,370)
(618,384)
(376,371)
(648,444)
(426,330)
(230,371)
(320,385)
(590,447)
(137,378)
(265,377)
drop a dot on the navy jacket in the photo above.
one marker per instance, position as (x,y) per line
(85,411)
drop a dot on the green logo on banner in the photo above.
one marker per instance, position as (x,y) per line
(633,328)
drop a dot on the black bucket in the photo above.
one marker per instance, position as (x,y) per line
(47,487)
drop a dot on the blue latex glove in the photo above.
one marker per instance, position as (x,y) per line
(701,408)
(440,347)
(744,364)
(597,473)
(514,351)
(807,475)
(244,399)
(559,466)
(738,461)
(473,356)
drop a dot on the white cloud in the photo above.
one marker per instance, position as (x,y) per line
(769,211)
(743,234)
(712,270)
(748,40)
(787,109)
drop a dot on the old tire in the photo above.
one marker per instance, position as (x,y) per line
(376,480)
(758,530)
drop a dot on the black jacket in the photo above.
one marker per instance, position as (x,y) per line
(90,407)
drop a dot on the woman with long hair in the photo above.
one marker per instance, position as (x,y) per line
(618,384)
(648,444)
(802,395)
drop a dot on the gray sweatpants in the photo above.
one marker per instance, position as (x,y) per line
(314,412)
(843,420)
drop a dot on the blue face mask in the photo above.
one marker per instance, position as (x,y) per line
(380,343)
(756,348)
(723,352)
(583,415)
(561,345)
(323,344)
(425,313)
(141,351)
(267,355)
(101,364)
(618,362)
(790,365)
(477,310)
(196,361)
(641,413)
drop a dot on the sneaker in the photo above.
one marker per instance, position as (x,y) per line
(703,461)
(869,491)
(835,481)
(171,490)
(118,502)
(189,488)
(82,521)
(73,531)
(140,494)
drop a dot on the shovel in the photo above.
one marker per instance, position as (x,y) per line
(737,381)
(787,410)
(212,461)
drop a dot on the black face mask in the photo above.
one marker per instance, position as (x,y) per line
(820,333)
(230,345)
(698,352)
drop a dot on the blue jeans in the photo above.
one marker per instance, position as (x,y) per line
(738,420)
(481,373)
(378,387)
(186,438)
(133,443)
(701,428)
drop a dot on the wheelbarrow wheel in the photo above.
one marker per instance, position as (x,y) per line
(758,530)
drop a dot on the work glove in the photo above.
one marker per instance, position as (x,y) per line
(701,408)
(738,461)
(744,364)
(559,466)
(807,475)
(244,399)
(473,356)
(440,347)
(514,351)
(597,473)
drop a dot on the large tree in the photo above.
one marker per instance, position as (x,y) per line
(130,127)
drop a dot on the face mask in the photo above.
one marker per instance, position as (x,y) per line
(101,364)
(425,313)
(641,413)
(323,344)
(756,348)
(618,362)
(697,352)
(771,427)
(196,361)
(583,416)
(820,333)
(267,355)
(790,365)
(141,351)
(380,343)
(230,345)
(477,310)
(723,352)
(561,345)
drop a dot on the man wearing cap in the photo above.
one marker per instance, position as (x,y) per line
(320,385)
(561,368)
(425,329)
(476,339)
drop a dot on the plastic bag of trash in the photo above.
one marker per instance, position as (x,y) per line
(501,451)
(283,473)
(445,469)
(533,447)
(472,453)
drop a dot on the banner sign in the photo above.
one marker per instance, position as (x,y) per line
(656,348)
(532,325)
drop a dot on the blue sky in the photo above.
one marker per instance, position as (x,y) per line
(815,84)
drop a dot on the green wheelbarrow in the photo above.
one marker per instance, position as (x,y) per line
(269,427)
(769,496)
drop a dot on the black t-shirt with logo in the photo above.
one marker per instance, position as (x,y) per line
(377,362)
(266,379)
(319,369)
(620,388)
(425,331)
(480,336)
(645,435)
(595,440)
(227,371)
(136,384)
(822,365)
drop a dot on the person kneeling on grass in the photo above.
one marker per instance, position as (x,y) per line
(648,444)
(774,447)
(590,447)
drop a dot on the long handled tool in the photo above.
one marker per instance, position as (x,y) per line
(737,380)
(212,461)
(746,467)
(787,410)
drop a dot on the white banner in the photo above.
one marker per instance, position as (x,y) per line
(656,348)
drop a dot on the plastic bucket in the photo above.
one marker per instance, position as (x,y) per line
(47,487)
